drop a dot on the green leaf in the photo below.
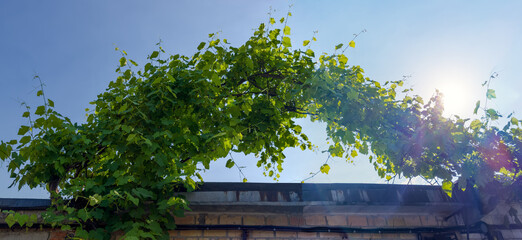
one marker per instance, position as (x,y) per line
(475,124)
(338,46)
(343,59)
(82,214)
(230,163)
(282,20)
(33,218)
(26,114)
(272,21)
(123,61)
(51,103)
(95,199)
(514,121)
(22,219)
(40,110)
(215,79)
(132,199)
(23,130)
(306,42)
(477,106)
(39,93)
(10,220)
(286,30)
(325,168)
(351,44)
(25,139)
(491,94)
(353,153)
(492,113)
(201,45)
(286,42)
(154,54)
(144,193)
(310,53)
(447,187)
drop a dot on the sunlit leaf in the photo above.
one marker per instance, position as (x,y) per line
(286,42)
(123,61)
(477,106)
(325,168)
(230,163)
(286,30)
(447,187)
(491,94)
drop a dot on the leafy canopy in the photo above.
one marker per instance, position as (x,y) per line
(150,129)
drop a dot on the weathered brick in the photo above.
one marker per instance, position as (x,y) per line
(187,220)
(258,234)
(307,235)
(507,234)
(234,233)
(60,235)
(173,233)
(315,220)
(211,219)
(396,221)
(375,235)
(517,233)
(391,236)
(411,236)
(477,236)
(296,220)
(214,233)
(336,220)
(254,220)
(355,235)
(278,220)
(357,221)
(412,221)
(230,219)
(331,235)
(428,220)
(376,221)
(282,234)
(191,233)
(450,222)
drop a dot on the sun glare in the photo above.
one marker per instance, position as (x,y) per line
(457,98)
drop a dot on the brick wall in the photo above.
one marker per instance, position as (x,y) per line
(322,211)
(312,226)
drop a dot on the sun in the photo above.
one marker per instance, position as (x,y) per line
(457,98)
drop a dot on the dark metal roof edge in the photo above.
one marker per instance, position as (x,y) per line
(24,203)
(238,186)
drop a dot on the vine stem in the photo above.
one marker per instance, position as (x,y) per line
(313,175)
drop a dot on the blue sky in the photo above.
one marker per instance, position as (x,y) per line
(453,46)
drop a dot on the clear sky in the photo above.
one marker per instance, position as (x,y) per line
(452,46)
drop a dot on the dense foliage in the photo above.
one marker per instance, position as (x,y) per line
(152,127)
